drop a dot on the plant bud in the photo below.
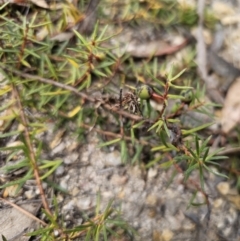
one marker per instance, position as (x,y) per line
(187,96)
(144,92)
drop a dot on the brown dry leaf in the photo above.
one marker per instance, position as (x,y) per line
(165,235)
(8,115)
(64,36)
(73,112)
(153,48)
(41,3)
(231,108)
(11,191)
(235,200)
(57,139)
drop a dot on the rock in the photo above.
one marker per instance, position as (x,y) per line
(71,158)
(112,159)
(30,194)
(167,235)
(118,180)
(151,200)
(69,205)
(75,191)
(84,203)
(218,203)
(64,182)
(58,149)
(174,223)
(223,188)
(59,171)
(44,186)
(152,172)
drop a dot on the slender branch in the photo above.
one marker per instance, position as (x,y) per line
(73,90)
(108,133)
(30,148)
(24,211)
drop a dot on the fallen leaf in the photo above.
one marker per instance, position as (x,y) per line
(41,3)
(235,200)
(11,191)
(57,138)
(153,48)
(73,112)
(231,108)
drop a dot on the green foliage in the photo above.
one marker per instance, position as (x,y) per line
(3,238)
(59,81)
(102,226)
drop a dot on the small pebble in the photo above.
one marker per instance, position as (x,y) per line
(58,149)
(151,200)
(118,180)
(223,188)
(59,171)
(64,183)
(70,205)
(174,223)
(29,194)
(218,203)
(84,203)
(167,235)
(112,159)
(71,158)
(44,186)
(56,233)
(152,172)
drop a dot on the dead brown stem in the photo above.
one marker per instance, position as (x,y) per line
(30,148)
(108,133)
(24,211)
(73,90)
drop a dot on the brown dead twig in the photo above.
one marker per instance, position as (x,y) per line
(180,111)
(30,148)
(83,95)
(108,133)
(24,211)
(26,134)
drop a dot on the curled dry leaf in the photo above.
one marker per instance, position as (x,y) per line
(153,48)
(11,191)
(231,109)
(57,138)
(42,3)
